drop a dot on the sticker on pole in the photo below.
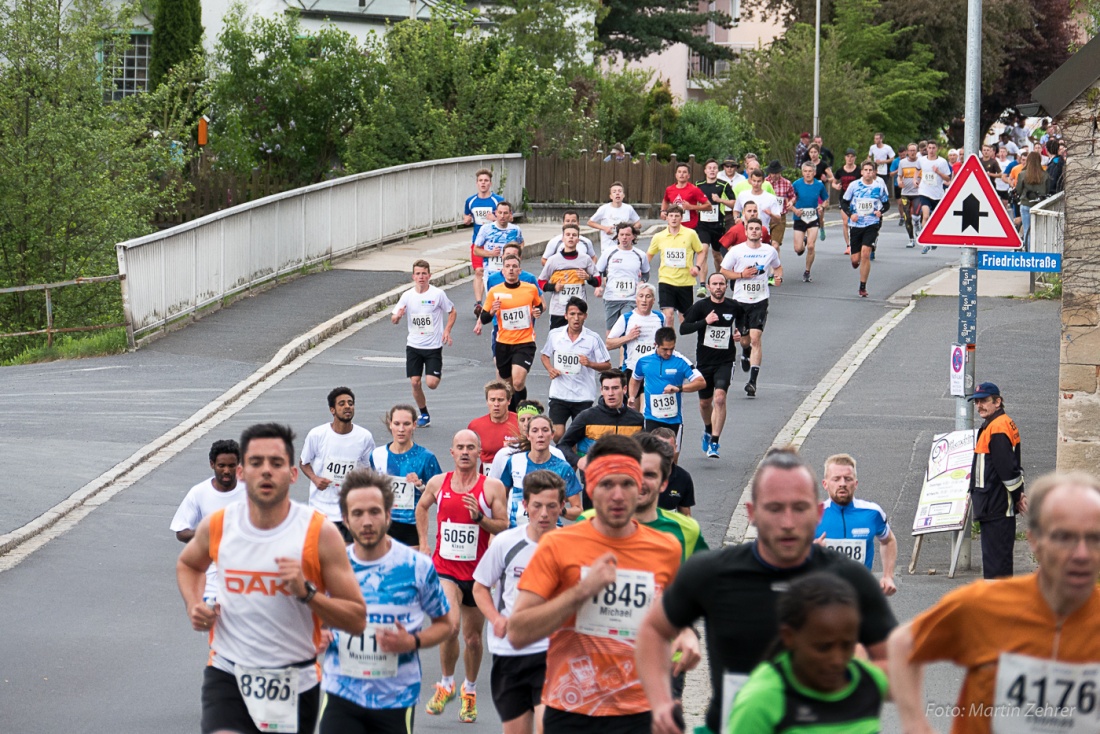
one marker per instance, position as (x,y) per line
(970,214)
(958,370)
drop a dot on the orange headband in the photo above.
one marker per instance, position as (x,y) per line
(612,464)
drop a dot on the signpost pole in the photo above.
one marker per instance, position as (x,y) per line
(968,274)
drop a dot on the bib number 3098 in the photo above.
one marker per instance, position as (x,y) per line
(271,697)
(1034,696)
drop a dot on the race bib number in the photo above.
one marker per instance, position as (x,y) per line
(930,178)
(641,350)
(864,207)
(675,257)
(404,495)
(809,215)
(751,290)
(1034,696)
(854,549)
(616,611)
(360,657)
(271,697)
(481,214)
(664,405)
(572,290)
(731,684)
(515,319)
(709,216)
(717,337)
(493,264)
(622,288)
(458,541)
(335,470)
(423,324)
(567,363)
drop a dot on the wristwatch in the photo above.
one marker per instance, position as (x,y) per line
(480,516)
(311,591)
(416,638)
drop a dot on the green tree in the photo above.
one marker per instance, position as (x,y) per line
(635,29)
(905,87)
(177,32)
(711,130)
(773,87)
(287,100)
(556,33)
(447,89)
(79,173)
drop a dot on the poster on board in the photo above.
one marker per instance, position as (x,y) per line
(944,496)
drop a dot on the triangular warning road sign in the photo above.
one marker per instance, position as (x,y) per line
(970,214)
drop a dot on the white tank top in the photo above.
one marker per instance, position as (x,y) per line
(262,625)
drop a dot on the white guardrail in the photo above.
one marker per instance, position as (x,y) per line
(183,269)
(1048,223)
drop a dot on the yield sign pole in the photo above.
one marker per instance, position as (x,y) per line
(969,215)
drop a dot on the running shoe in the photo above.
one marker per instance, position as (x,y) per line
(806,277)
(862,292)
(706,443)
(771,280)
(477,309)
(872,254)
(701,291)
(912,242)
(925,250)
(468,713)
(440,699)
(750,389)
(823,232)
(745,366)
(712,451)
(424,420)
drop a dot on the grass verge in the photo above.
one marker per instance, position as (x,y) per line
(66,346)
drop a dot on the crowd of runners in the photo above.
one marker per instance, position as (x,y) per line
(559,535)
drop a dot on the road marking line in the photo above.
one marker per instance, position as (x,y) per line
(16,545)
(807,414)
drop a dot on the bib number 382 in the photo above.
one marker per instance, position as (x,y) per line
(271,697)
(1034,696)
(616,611)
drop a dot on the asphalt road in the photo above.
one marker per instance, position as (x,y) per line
(96,637)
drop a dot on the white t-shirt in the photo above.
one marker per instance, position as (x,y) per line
(768,205)
(881,156)
(622,270)
(1000,184)
(200,501)
(731,180)
(553,247)
(331,456)
(426,314)
(643,345)
(765,258)
(576,383)
(1013,149)
(500,569)
(608,215)
(931,185)
(496,469)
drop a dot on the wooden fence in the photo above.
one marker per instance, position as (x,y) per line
(552,179)
(213,190)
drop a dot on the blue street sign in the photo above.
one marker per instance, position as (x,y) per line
(1035,262)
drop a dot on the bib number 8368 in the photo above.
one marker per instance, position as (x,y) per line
(460,536)
(627,595)
(264,689)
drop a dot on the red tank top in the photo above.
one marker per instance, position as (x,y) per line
(460,542)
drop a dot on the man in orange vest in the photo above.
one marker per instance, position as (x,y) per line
(996,481)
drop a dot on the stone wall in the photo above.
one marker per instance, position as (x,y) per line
(1079,373)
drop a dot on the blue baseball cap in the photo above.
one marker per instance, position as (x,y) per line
(986,390)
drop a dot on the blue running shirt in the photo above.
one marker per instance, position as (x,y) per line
(417,460)
(402,586)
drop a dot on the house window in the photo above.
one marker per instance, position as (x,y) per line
(131,72)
